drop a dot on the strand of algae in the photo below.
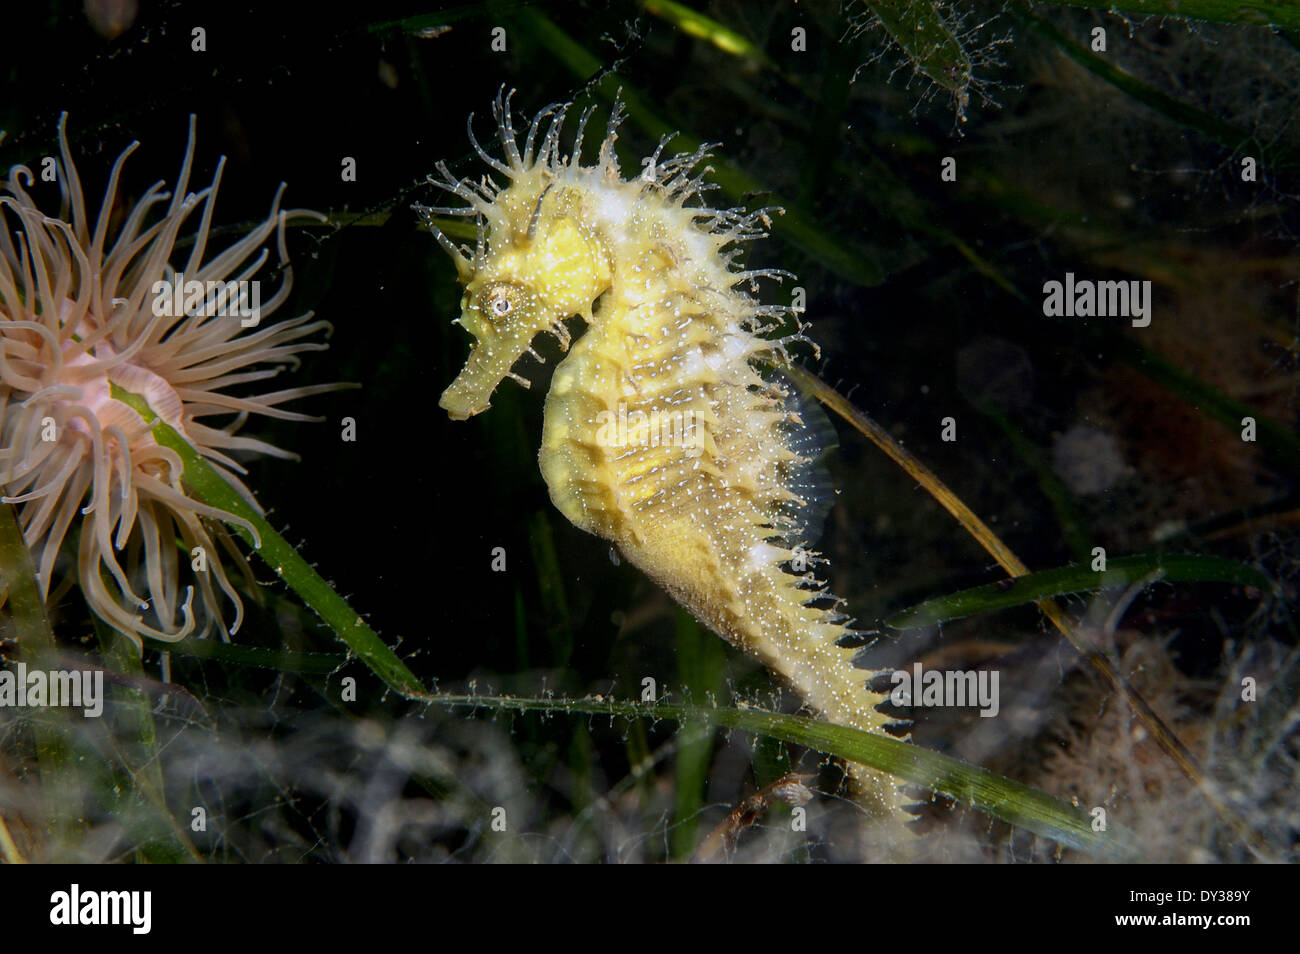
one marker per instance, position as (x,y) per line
(929,43)
(1277,442)
(919,28)
(36,646)
(1234,138)
(888,194)
(8,849)
(137,800)
(967,784)
(915,25)
(1277,13)
(1004,798)
(1122,571)
(159,839)
(279,554)
(703,27)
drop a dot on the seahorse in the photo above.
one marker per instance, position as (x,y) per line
(715,506)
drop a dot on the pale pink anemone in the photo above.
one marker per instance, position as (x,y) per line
(77,314)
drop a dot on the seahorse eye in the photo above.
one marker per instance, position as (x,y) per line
(500,301)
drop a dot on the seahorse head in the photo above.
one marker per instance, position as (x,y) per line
(538,266)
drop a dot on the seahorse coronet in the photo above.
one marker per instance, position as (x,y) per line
(661,433)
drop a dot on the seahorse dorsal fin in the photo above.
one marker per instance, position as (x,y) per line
(811,437)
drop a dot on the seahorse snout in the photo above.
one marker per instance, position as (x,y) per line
(456,407)
(466,396)
(491,358)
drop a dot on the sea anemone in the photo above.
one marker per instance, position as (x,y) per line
(86,313)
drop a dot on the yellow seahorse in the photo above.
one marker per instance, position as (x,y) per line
(660,433)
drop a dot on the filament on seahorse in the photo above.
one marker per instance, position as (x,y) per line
(720,512)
